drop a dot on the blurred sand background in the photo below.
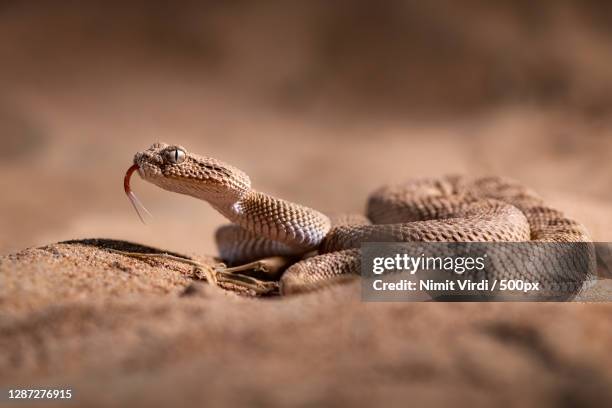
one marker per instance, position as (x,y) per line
(319,103)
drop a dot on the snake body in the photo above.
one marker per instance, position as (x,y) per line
(446,209)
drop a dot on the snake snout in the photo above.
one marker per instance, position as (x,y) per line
(142,157)
(148,163)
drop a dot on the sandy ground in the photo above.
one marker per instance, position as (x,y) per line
(121,331)
(124,332)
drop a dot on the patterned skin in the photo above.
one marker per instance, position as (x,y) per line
(447,209)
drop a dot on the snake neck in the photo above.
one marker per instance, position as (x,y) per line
(279,220)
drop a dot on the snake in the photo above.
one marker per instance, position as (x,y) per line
(322,248)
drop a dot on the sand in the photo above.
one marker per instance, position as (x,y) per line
(120,331)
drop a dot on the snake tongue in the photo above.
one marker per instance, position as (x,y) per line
(133,199)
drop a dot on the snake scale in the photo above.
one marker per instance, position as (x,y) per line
(445,209)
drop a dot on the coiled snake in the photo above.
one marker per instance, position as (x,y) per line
(312,249)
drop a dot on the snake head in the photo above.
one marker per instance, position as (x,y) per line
(175,169)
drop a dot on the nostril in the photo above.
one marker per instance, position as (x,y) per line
(142,158)
(139,157)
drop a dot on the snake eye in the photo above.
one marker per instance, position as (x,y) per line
(175,155)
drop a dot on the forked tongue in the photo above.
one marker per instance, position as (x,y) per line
(133,199)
